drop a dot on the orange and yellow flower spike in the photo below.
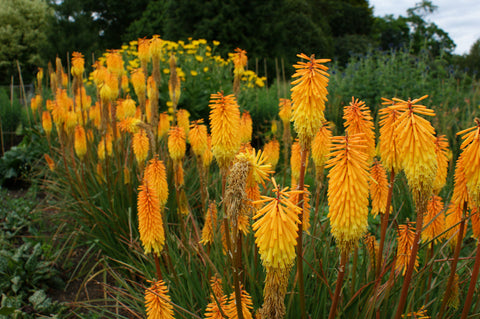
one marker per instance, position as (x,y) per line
(157,301)
(406,236)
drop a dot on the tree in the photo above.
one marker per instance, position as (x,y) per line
(22,34)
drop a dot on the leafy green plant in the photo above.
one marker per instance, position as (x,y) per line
(25,274)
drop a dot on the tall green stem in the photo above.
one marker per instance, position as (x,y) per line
(301,186)
(473,282)
(338,287)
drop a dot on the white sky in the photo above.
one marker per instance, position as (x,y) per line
(459,18)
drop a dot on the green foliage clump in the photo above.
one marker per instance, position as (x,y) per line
(26,274)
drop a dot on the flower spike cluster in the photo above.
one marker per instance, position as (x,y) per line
(309,94)
(348,189)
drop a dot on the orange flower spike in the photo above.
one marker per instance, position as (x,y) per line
(348,189)
(115,63)
(207,156)
(416,144)
(155,47)
(272,152)
(378,188)
(150,224)
(126,108)
(183,120)
(309,94)
(141,146)
(156,176)
(246,127)
(129,124)
(239,61)
(406,236)
(78,65)
(213,308)
(225,126)
(50,162)
(198,137)
(285,112)
(321,146)
(210,226)
(177,143)
(143,51)
(138,80)
(82,99)
(420,314)
(158,302)
(471,160)
(434,220)
(163,125)
(80,142)
(47,123)
(452,223)
(358,120)
(247,305)
(388,137)
(276,228)
(441,149)
(296,161)
(475,218)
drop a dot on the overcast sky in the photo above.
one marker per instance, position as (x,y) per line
(459,18)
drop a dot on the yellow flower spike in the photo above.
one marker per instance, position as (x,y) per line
(406,236)
(441,149)
(225,126)
(358,120)
(247,305)
(157,301)
(177,143)
(156,176)
(272,153)
(183,120)
(124,83)
(388,137)
(35,102)
(309,94)
(239,61)
(163,125)
(155,47)
(434,220)
(210,226)
(198,137)
(80,142)
(115,64)
(141,146)
(71,120)
(246,127)
(276,228)
(321,146)
(378,188)
(471,160)
(416,145)
(47,123)
(348,189)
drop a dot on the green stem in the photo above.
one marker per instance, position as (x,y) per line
(338,287)
(301,185)
(473,282)
(453,268)
(384,227)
